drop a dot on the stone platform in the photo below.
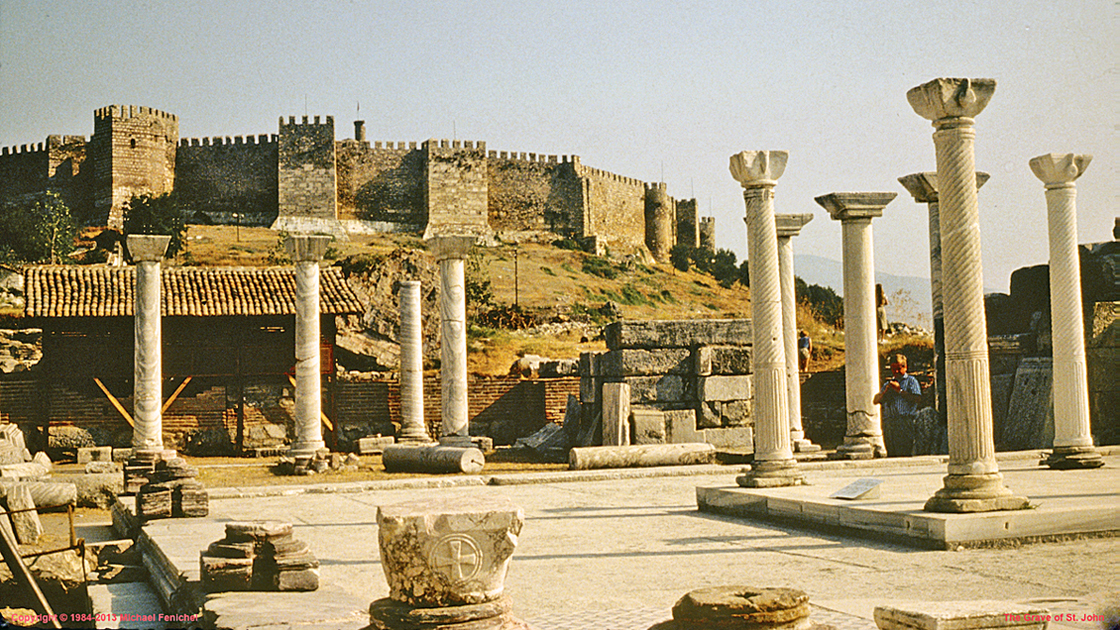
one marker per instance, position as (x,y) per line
(1064,504)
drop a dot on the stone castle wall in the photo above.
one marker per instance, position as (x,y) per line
(455,188)
(381,185)
(23,170)
(534,193)
(219,177)
(614,207)
(306,185)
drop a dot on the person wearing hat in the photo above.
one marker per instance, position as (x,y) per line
(900,397)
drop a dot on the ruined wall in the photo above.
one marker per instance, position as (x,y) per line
(66,156)
(614,207)
(222,176)
(455,188)
(306,169)
(688,224)
(381,185)
(534,193)
(133,152)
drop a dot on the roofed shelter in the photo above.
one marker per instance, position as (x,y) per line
(226,330)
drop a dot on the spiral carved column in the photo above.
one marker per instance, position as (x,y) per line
(1073,442)
(974,483)
(412,365)
(774,464)
(789,226)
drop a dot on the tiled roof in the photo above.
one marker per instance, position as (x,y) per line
(69,291)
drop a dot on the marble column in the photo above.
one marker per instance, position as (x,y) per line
(147,434)
(974,483)
(413,428)
(923,187)
(1073,442)
(306,251)
(451,252)
(774,465)
(789,226)
(863,438)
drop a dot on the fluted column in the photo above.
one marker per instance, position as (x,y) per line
(306,251)
(863,438)
(923,187)
(1073,441)
(413,428)
(147,251)
(451,251)
(789,226)
(974,483)
(774,465)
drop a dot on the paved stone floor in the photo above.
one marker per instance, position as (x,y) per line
(618,553)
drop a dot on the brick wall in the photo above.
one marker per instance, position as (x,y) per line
(306,179)
(223,176)
(381,183)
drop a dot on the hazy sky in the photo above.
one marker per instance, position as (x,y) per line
(637,88)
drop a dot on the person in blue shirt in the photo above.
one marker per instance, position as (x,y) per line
(900,397)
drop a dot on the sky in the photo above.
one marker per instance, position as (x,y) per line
(657,90)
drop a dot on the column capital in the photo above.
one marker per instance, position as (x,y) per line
(860,205)
(1058,170)
(951,98)
(147,247)
(306,247)
(923,186)
(790,224)
(758,169)
(448,247)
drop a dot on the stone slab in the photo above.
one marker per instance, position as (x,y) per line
(1094,509)
(722,360)
(722,388)
(374,445)
(646,362)
(678,333)
(1030,413)
(680,426)
(666,388)
(740,439)
(616,414)
(88,454)
(648,426)
(961,615)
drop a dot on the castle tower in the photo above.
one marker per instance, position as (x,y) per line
(307,188)
(456,189)
(708,233)
(688,230)
(133,152)
(659,221)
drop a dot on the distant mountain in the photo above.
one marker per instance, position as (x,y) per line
(908,296)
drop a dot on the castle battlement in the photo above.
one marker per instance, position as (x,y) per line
(23,149)
(656,187)
(443,143)
(532,157)
(130,111)
(586,171)
(387,145)
(292,122)
(218,141)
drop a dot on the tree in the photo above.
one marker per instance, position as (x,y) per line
(40,229)
(702,259)
(724,268)
(680,256)
(745,273)
(146,214)
(823,301)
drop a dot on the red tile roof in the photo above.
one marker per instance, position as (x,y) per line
(69,291)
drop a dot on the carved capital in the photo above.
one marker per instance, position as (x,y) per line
(790,224)
(147,247)
(951,98)
(755,169)
(448,247)
(306,248)
(923,186)
(1059,169)
(861,205)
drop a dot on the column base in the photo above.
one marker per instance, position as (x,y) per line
(1073,457)
(805,446)
(419,436)
(772,474)
(975,493)
(387,614)
(858,448)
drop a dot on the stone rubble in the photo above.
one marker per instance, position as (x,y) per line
(259,556)
(174,491)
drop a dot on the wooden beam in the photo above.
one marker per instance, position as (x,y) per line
(116,403)
(323,416)
(175,395)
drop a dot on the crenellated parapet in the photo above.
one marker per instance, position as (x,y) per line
(218,141)
(22,149)
(588,171)
(533,158)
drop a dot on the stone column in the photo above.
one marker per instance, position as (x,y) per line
(413,428)
(774,465)
(863,438)
(451,251)
(306,251)
(1073,442)
(923,187)
(147,435)
(789,226)
(974,483)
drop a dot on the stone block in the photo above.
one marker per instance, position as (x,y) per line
(483,443)
(559,368)
(448,551)
(961,615)
(735,413)
(589,363)
(710,415)
(721,388)
(616,414)
(648,426)
(589,389)
(25,524)
(300,580)
(102,467)
(88,454)
(678,333)
(722,360)
(374,445)
(639,362)
(1030,413)
(680,426)
(737,438)
(226,574)
(669,388)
